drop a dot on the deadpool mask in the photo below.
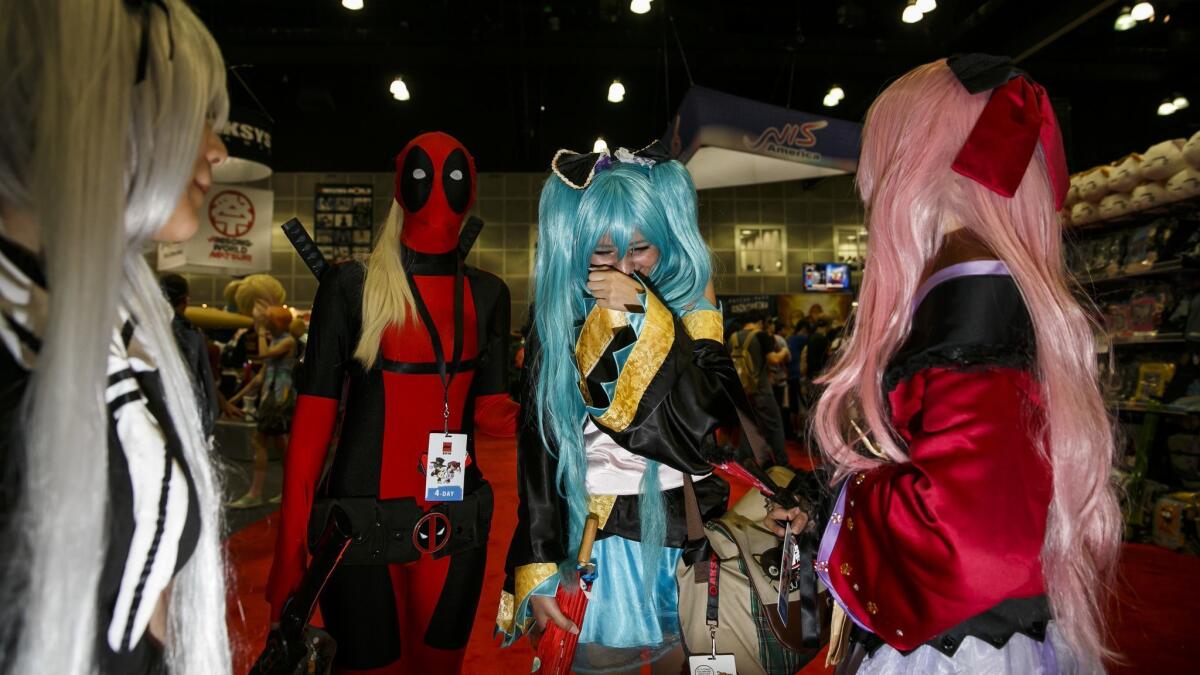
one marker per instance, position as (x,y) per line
(435,185)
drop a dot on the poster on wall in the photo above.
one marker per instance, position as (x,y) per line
(344,216)
(234,236)
(791,308)
(745,306)
(796,307)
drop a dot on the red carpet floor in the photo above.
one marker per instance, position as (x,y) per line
(1155,623)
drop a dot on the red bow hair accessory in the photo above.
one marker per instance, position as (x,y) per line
(1017,116)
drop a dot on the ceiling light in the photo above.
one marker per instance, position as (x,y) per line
(926,6)
(1167,107)
(639,6)
(599,145)
(354,5)
(399,89)
(911,14)
(1142,11)
(1180,102)
(837,92)
(830,100)
(616,92)
(1125,21)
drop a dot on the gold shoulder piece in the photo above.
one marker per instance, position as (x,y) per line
(705,324)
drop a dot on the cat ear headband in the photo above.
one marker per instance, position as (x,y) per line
(577,170)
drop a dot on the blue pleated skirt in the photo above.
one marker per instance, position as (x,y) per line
(627,625)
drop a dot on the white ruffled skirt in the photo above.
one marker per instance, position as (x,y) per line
(1022,655)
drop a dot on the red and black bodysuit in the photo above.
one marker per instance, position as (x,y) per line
(414,616)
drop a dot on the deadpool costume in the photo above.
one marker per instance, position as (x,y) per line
(404,597)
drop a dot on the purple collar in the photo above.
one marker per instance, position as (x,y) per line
(970,268)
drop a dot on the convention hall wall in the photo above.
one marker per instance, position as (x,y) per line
(810,214)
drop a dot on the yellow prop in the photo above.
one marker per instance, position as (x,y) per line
(210,318)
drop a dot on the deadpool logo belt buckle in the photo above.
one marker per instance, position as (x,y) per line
(432,532)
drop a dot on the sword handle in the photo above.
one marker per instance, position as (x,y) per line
(590,526)
(306,247)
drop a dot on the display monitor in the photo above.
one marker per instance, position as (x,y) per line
(826,277)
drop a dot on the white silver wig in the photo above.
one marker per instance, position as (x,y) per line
(99,160)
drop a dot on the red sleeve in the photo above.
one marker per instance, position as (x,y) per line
(926,545)
(319,381)
(312,428)
(496,415)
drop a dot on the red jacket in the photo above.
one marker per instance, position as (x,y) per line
(923,546)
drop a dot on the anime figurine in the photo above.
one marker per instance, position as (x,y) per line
(419,342)
(976,529)
(627,378)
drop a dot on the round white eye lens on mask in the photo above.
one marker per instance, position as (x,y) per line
(456,174)
(419,174)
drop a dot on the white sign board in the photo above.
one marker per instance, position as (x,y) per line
(234,236)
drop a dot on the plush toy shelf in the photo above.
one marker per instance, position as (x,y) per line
(1151,407)
(1150,339)
(1183,207)
(1165,268)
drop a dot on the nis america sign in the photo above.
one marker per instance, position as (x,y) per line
(234,235)
(793,141)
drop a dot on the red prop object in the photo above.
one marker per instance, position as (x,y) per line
(556,649)
(739,472)
(1015,119)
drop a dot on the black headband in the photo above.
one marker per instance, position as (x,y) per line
(146,6)
(981,72)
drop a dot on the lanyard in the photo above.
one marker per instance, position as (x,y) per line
(710,612)
(436,339)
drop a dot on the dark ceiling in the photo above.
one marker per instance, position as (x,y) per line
(517,79)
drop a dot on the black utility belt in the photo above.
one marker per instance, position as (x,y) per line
(397,531)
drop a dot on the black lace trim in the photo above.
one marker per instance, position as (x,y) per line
(961,357)
(996,626)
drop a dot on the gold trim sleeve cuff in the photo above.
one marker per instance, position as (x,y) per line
(514,617)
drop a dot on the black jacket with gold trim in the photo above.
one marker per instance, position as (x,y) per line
(676,387)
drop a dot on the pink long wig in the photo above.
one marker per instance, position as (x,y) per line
(913,132)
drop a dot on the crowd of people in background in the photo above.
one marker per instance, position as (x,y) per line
(243,373)
(781,363)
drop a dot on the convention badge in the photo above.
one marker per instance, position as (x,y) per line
(712,664)
(785,572)
(445,467)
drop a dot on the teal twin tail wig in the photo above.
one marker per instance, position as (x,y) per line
(659,203)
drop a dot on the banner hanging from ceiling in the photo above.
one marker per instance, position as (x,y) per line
(728,140)
(247,138)
(234,236)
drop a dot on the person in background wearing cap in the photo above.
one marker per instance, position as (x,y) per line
(194,348)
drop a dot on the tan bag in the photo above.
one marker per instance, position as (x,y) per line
(748,624)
